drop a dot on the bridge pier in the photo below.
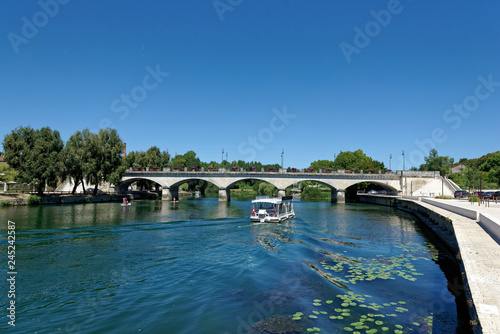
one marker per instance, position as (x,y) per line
(168,194)
(338,196)
(281,193)
(122,189)
(224,195)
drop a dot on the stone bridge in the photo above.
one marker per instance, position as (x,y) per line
(396,183)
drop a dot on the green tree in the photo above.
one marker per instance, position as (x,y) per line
(434,162)
(310,193)
(492,162)
(266,189)
(322,164)
(105,163)
(76,155)
(153,157)
(192,160)
(34,154)
(179,161)
(356,160)
(7,173)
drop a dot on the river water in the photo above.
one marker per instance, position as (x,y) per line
(200,266)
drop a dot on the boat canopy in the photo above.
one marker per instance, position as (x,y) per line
(266,199)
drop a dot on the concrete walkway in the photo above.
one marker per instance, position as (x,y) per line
(480,254)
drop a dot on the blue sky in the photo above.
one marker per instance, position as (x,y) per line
(256,77)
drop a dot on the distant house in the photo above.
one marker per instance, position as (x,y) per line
(2,160)
(457,168)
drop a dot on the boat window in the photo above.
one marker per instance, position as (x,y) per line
(265,206)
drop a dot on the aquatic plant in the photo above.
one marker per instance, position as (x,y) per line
(359,313)
(277,324)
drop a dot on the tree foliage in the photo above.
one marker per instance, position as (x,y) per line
(34,154)
(105,163)
(311,193)
(266,189)
(76,156)
(7,173)
(434,162)
(349,160)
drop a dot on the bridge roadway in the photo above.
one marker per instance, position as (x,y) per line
(395,183)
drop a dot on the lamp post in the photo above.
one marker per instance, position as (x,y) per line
(282,154)
(480,188)
(403,159)
(390,159)
(222,156)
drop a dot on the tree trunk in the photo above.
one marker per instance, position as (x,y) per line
(39,189)
(95,188)
(75,186)
(83,186)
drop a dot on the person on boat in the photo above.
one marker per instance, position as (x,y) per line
(273,214)
(125,201)
(253,211)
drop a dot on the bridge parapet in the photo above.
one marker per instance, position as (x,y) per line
(417,173)
(281,174)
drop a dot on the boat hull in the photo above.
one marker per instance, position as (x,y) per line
(256,219)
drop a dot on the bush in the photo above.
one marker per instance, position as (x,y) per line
(443,197)
(35,199)
(4,203)
(266,189)
(473,199)
(310,193)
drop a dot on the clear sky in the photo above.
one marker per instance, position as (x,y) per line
(254,77)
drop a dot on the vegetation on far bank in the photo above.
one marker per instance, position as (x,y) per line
(39,157)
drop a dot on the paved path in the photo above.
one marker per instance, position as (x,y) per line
(491,207)
(481,259)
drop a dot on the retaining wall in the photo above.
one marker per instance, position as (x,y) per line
(472,214)
(490,225)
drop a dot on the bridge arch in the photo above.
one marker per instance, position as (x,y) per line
(396,183)
(385,186)
(337,190)
(123,186)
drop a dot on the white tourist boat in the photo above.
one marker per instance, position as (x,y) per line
(271,210)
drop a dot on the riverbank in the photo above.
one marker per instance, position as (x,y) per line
(476,250)
(51,199)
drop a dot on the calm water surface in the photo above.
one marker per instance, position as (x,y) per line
(201,267)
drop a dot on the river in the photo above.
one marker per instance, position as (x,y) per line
(200,266)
